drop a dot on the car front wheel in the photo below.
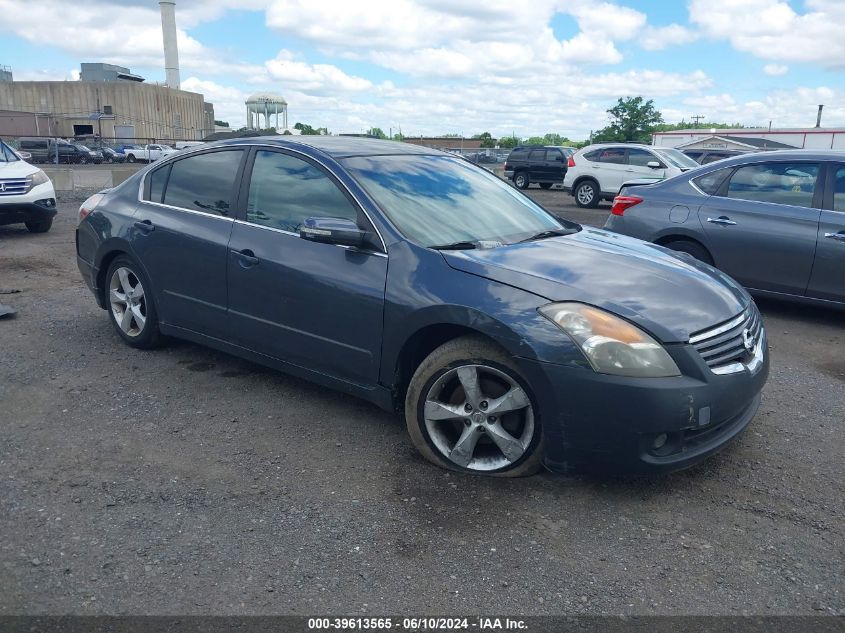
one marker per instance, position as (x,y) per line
(469,409)
(131,306)
(39,227)
(587,194)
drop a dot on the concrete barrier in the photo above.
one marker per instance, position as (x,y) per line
(67,179)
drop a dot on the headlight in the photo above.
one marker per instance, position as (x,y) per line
(612,345)
(39,178)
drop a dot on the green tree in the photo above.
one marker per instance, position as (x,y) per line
(631,119)
(683,125)
(306,129)
(376,132)
(486,139)
(221,123)
(509,141)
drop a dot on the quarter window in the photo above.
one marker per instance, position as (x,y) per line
(554,155)
(204,182)
(710,183)
(158,179)
(779,183)
(284,191)
(839,190)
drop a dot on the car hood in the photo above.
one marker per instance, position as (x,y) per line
(16,169)
(668,294)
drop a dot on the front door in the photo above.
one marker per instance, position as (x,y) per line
(181,234)
(319,306)
(828,278)
(761,226)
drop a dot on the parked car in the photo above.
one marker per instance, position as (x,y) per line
(774,221)
(26,193)
(597,172)
(87,155)
(409,277)
(41,150)
(112,156)
(707,156)
(147,153)
(545,165)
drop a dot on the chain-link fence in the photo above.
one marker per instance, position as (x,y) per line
(91,150)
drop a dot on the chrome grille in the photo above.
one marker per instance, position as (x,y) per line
(723,347)
(14,186)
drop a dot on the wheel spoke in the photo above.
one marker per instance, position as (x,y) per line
(510,446)
(469,381)
(117,297)
(441,411)
(139,317)
(126,320)
(463,449)
(138,292)
(123,275)
(513,400)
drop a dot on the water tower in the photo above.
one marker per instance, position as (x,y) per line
(267,105)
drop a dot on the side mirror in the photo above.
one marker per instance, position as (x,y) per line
(654,164)
(332,231)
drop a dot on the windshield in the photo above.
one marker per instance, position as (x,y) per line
(676,157)
(7,155)
(438,200)
(82,147)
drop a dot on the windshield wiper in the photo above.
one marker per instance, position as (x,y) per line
(455,246)
(549,233)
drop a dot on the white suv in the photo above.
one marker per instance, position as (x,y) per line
(597,172)
(26,193)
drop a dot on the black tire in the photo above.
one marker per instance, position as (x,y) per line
(131,158)
(546,185)
(691,248)
(521,180)
(39,227)
(148,336)
(83,160)
(457,353)
(587,194)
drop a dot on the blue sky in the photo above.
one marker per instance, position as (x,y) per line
(461,66)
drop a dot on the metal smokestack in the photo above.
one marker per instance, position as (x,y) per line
(819,116)
(171,50)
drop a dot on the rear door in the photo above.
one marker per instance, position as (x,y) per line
(555,165)
(762,225)
(181,236)
(828,278)
(611,170)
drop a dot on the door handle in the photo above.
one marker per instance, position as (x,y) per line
(836,236)
(722,220)
(247,258)
(145,226)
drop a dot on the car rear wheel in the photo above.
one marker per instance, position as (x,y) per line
(131,158)
(545,185)
(83,160)
(691,248)
(521,180)
(469,409)
(39,227)
(587,194)
(130,304)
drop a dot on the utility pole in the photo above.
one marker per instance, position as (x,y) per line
(697,118)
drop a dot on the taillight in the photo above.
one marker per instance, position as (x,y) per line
(88,206)
(623,203)
(507,166)
(571,162)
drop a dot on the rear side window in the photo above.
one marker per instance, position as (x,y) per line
(554,154)
(593,156)
(537,155)
(839,189)
(779,183)
(518,154)
(204,182)
(613,155)
(284,191)
(710,183)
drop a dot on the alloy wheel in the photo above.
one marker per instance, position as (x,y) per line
(479,418)
(127,301)
(585,194)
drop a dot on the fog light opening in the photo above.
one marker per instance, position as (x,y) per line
(659,441)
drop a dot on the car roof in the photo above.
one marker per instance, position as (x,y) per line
(335,146)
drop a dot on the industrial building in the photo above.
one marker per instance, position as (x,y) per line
(752,138)
(108,101)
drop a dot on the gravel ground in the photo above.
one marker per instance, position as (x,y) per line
(185,481)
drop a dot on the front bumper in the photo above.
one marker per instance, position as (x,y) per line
(609,423)
(37,205)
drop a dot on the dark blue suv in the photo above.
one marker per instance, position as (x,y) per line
(508,337)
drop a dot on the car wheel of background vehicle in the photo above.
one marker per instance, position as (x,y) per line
(39,227)
(587,194)
(131,305)
(468,409)
(131,158)
(691,248)
(521,180)
(83,160)
(545,185)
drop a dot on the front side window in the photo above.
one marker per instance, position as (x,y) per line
(640,157)
(284,191)
(438,200)
(6,153)
(779,183)
(204,182)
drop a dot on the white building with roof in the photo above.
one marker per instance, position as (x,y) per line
(752,138)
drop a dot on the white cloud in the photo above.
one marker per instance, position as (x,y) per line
(771,29)
(314,77)
(658,38)
(775,70)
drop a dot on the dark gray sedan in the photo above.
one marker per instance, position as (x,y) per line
(775,221)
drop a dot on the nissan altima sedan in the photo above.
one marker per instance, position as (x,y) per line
(774,221)
(506,337)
